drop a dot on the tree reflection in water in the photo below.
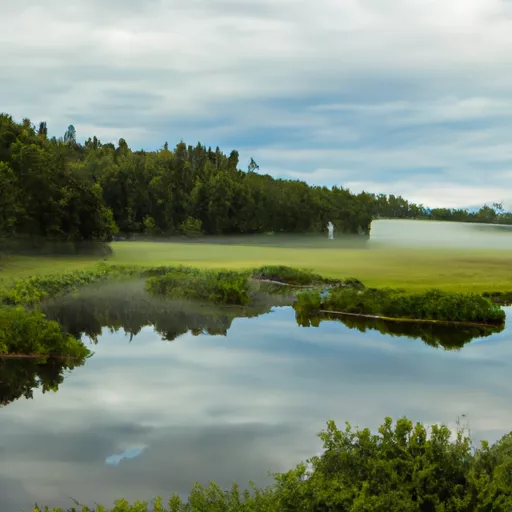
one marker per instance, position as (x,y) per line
(127,306)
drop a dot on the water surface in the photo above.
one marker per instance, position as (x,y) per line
(207,395)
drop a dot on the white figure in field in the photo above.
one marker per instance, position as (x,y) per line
(330,228)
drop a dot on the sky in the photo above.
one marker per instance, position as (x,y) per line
(411,97)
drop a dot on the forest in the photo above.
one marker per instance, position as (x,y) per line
(61,189)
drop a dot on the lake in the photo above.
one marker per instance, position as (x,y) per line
(179,392)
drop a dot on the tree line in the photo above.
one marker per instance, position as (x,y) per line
(396,207)
(61,189)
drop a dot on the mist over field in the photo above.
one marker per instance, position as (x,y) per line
(432,234)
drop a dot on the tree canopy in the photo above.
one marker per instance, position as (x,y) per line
(59,188)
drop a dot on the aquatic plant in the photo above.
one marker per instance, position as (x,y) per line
(30,332)
(400,467)
(430,305)
(502,298)
(223,287)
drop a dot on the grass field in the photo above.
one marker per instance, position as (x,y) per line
(414,269)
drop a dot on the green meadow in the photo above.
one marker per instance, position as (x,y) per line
(413,269)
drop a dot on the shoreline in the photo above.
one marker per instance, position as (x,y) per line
(453,323)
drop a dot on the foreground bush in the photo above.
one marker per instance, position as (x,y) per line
(29,332)
(402,467)
(223,287)
(430,305)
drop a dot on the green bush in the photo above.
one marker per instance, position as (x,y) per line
(191,227)
(400,468)
(309,301)
(430,305)
(223,287)
(29,332)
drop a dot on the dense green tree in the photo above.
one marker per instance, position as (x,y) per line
(46,187)
(65,190)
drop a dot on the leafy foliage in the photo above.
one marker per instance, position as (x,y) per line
(396,207)
(502,298)
(191,227)
(29,332)
(401,467)
(62,189)
(224,287)
(431,305)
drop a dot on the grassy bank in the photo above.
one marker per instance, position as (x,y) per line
(401,467)
(412,269)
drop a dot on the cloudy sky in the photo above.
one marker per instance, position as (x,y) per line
(398,96)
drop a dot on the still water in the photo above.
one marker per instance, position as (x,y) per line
(177,393)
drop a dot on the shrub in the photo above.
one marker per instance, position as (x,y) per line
(191,227)
(308,301)
(430,305)
(29,332)
(224,287)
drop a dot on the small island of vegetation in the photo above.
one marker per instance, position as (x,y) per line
(433,306)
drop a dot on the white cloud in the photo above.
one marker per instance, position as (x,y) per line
(372,86)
